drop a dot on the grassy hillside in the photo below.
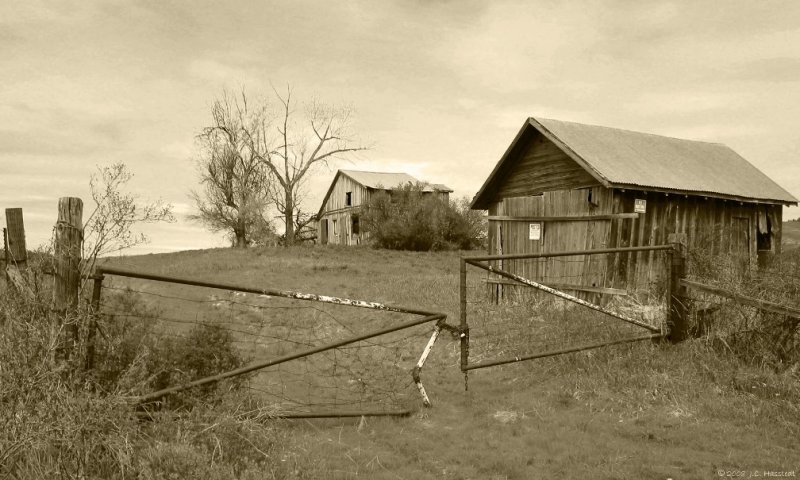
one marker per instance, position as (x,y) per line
(637,411)
(791,235)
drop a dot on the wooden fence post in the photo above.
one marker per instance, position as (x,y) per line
(90,335)
(97,288)
(68,240)
(17,250)
(5,251)
(463,325)
(678,322)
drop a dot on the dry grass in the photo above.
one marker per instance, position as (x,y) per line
(636,411)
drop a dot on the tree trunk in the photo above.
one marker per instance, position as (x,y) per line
(289,218)
(241,241)
(240,234)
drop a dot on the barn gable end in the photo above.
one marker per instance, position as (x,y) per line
(541,166)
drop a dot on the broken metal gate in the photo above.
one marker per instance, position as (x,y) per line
(642,328)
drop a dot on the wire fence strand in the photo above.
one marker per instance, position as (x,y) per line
(373,374)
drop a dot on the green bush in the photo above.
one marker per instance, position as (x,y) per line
(58,420)
(205,351)
(408,219)
(136,356)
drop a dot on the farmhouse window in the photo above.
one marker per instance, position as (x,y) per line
(348,199)
(355,222)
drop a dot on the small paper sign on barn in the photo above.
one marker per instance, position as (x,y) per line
(535,231)
(640,206)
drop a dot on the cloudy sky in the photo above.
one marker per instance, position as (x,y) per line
(440,88)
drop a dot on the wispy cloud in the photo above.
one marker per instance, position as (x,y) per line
(440,87)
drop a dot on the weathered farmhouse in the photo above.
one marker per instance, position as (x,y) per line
(567,186)
(338,217)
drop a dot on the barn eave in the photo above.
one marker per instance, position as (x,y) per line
(700,193)
(488,193)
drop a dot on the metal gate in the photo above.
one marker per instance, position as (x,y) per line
(553,315)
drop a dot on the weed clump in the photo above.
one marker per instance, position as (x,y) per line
(756,336)
(61,420)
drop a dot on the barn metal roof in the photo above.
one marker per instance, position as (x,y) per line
(382,181)
(388,181)
(623,158)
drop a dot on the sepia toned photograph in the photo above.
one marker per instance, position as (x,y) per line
(400,239)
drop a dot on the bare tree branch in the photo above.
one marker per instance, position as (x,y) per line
(235,180)
(289,157)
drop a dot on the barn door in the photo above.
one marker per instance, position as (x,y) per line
(741,236)
(741,242)
(323,231)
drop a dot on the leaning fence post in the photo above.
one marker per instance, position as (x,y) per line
(678,322)
(97,287)
(68,239)
(464,328)
(16,251)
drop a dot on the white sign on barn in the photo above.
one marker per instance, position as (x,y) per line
(640,206)
(535,231)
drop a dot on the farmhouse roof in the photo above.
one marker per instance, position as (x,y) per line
(626,159)
(382,181)
(390,181)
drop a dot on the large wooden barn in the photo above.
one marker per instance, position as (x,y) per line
(350,190)
(568,186)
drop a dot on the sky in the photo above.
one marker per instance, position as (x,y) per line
(439,88)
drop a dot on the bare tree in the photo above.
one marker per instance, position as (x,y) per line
(321,134)
(235,181)
(110,226)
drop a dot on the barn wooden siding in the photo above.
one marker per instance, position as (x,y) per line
(335,209)
(443,196)
(716,225)
(542,167)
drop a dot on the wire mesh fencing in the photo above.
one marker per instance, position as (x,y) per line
(518,308)
(331,356)
(752,309)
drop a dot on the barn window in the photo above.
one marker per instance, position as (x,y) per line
(764,231)
(591,197)
(348,199)
(335,227)
(355,222)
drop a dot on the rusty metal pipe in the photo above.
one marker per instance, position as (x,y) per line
(552,353)
(563,295)
(519,256)
(266,291)
(368,413)
(293,356)
(290,416)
